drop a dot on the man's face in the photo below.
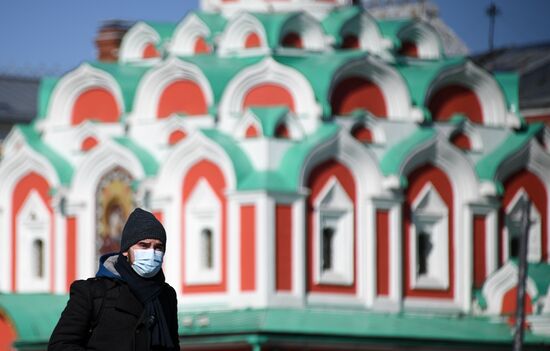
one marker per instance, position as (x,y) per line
(144,244)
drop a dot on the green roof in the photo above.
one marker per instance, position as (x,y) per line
(241,164)
(509,84)
(164,29)
(352,324)
(269,118)
(47,85)
(220,70)
(539,273)
(214,21)
(336,19)
(395,157)
(148,162)
(295,157)
(487,167)
(33,315)
(63,168)
(391,27)
(419,75)
(273,24)
(319,70)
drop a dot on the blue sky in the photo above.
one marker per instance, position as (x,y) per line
(57,35)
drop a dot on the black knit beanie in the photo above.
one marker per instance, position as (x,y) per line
(139,226)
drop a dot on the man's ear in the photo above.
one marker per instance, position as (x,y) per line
(125,253)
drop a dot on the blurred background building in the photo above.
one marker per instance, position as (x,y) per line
(331,177)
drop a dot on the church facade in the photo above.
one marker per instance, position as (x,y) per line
(327,180)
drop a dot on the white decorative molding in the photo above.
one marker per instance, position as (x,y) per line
(365,28)
(203,213)
(34,226)
(308,28)
(71,86)
(136,40)
(397,98)
(186,34)
(498,284)
(232,40)
(265,72)
(513,227)
(333,210)
(155,81)
(430,217)
(425,38)
(12,168)
(488,91)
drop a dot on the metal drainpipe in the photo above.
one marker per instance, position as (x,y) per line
(522,277)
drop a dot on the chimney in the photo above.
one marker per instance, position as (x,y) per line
(109,37)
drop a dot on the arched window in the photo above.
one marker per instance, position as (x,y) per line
(207,248)
(292,40)
(268,94)
(455,99)
(327,248)
(514,230)
(38,257)
(183,96)
(96,104)
(252,41)
(357,93)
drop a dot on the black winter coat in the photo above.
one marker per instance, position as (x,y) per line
(119,323)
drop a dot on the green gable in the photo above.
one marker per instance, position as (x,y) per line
(45,90)
(148,162)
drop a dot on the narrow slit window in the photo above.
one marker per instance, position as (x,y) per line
(424,248)
(327,243)
(38,248)
(207,244)
(514,246)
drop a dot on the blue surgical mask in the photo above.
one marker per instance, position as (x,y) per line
(147,263)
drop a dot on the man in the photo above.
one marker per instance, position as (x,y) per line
(128,305)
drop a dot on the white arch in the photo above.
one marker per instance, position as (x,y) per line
(425,38)
(490,95)
(82,195)
(167,191)
(501,282)
(309,30)
(365,28)
(154,82)
(396,94)
(461,174)
(14,166)
(135,40)
(233,38)
(71,86)
(267,71)
(186,33)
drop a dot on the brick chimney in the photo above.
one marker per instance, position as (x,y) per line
(109,37)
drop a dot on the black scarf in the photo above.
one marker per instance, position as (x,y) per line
(147,291)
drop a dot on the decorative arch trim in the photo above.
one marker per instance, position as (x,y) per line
(155,82)
(425,39)
(135,42)
(303,32)
(186,35)
(234,37)
(493,104)
(72,86)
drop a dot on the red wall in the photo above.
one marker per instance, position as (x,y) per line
(182,96)
(382,252)
(357,92)
(248,248)
(95,104)
(455,99)
(283,242)
(268,94)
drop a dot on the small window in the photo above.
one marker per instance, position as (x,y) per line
(327,241)
(424,248)
(207,249)
(38,255)
(514,246)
